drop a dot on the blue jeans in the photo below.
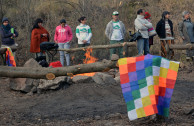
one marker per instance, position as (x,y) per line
(62,53)
(143,46)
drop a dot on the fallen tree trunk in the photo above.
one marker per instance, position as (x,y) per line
(51,73)
(130,44)
(181,47)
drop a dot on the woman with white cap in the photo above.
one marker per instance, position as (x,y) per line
(186,30)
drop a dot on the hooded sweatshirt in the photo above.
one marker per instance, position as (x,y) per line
(110,28)
(139,21)
(63,34)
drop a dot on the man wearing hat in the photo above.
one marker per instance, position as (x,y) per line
(8,33)
(63,36)
(115,31)
(186,30)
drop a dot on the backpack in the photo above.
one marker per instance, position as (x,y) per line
(46,46)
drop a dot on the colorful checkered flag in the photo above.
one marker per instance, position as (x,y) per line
(147,84)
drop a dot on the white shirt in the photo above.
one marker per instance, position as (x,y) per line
(116,35)
(83,32)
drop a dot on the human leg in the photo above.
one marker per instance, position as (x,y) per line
(112,50)
(67,56)
(120,49)
(163,49)
(146,47)
(140,46)
(61,46)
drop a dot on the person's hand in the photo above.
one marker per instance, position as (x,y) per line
(56,41)
(84,41)
(14,35)
(183,38)
(124,43)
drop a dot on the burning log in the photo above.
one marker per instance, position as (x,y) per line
(51,73)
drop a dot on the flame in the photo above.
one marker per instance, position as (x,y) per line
(89,59)
(73,59)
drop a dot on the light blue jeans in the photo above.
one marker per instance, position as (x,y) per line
(143,46)
(62,53)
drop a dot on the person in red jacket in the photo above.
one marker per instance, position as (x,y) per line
(63,37)
(39,34)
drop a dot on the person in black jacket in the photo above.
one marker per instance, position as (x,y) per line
(164,29)
(8,33)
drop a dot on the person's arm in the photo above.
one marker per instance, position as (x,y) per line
(140,26)
(158,27)
(78,34)
(107,30)
(89,34)
(16,33)
(70,34)
(35,37)
(148,24)
(172,29)
(124,30)
(5,35)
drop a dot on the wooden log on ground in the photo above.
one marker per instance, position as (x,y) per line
(181,47)
(51,73)
(131,44)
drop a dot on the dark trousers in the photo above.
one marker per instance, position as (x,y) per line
(82,53)
(119,49)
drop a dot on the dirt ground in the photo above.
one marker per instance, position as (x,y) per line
(90,105)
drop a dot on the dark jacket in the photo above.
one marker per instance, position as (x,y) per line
(6,37)
(160,28)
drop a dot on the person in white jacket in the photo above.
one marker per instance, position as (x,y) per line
(142,25)
(84,34)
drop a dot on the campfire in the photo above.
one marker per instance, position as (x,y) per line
(89,59)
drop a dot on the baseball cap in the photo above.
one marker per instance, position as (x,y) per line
(115,13)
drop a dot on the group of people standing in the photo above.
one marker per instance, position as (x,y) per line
(115,32)
(63,37)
